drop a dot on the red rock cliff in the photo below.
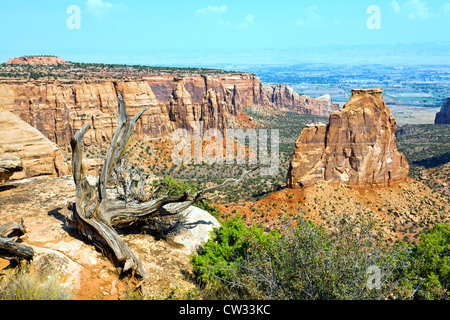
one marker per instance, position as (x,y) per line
(357,147)
(282,96)
(58,109)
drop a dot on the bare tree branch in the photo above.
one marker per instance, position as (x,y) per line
(96,215)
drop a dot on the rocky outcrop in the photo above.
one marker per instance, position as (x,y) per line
(357,147)
(283,96)
(8,166)
(443,116)
(37,60)
(40,157)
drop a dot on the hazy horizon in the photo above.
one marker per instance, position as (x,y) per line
(214,33)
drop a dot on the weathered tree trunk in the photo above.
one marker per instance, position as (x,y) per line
(9,249)
(96,216)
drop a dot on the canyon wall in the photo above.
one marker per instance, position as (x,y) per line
(284,97)
(59,108)
(357,147)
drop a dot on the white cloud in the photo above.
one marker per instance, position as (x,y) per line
(395,6)
(211,10)
(417,10)
(98,7)
(413,9)
(249,19)
(312,18)
(95,5)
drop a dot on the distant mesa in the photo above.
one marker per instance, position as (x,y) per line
(357,148)
(37,60)
(443,116)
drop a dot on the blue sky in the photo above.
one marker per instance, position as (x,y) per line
(209,32)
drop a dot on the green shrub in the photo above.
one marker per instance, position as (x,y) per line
(302,262)
(429,274)
(176,187)
(226,249)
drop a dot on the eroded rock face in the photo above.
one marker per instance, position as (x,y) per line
(58,109)
(39,156)
(212,112)
(443,116)
(181,108)
(8,166)
(357,147)
(283,96)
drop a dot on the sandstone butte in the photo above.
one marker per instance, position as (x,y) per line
(39,156)
(37,60)
(59,108)
(443,116)
(357,148)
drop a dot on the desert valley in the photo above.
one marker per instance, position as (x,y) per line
(347,173)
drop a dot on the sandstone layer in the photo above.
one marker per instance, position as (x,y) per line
(443,116)
(37,60)
(40,157)
(8,166)
(357,147)
(59,108)
(282,96)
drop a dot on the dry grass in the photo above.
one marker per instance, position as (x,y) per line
(22,284)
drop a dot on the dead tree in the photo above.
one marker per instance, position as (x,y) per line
(9,249)
(97,215)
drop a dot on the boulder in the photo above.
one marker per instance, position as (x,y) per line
(196,229)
